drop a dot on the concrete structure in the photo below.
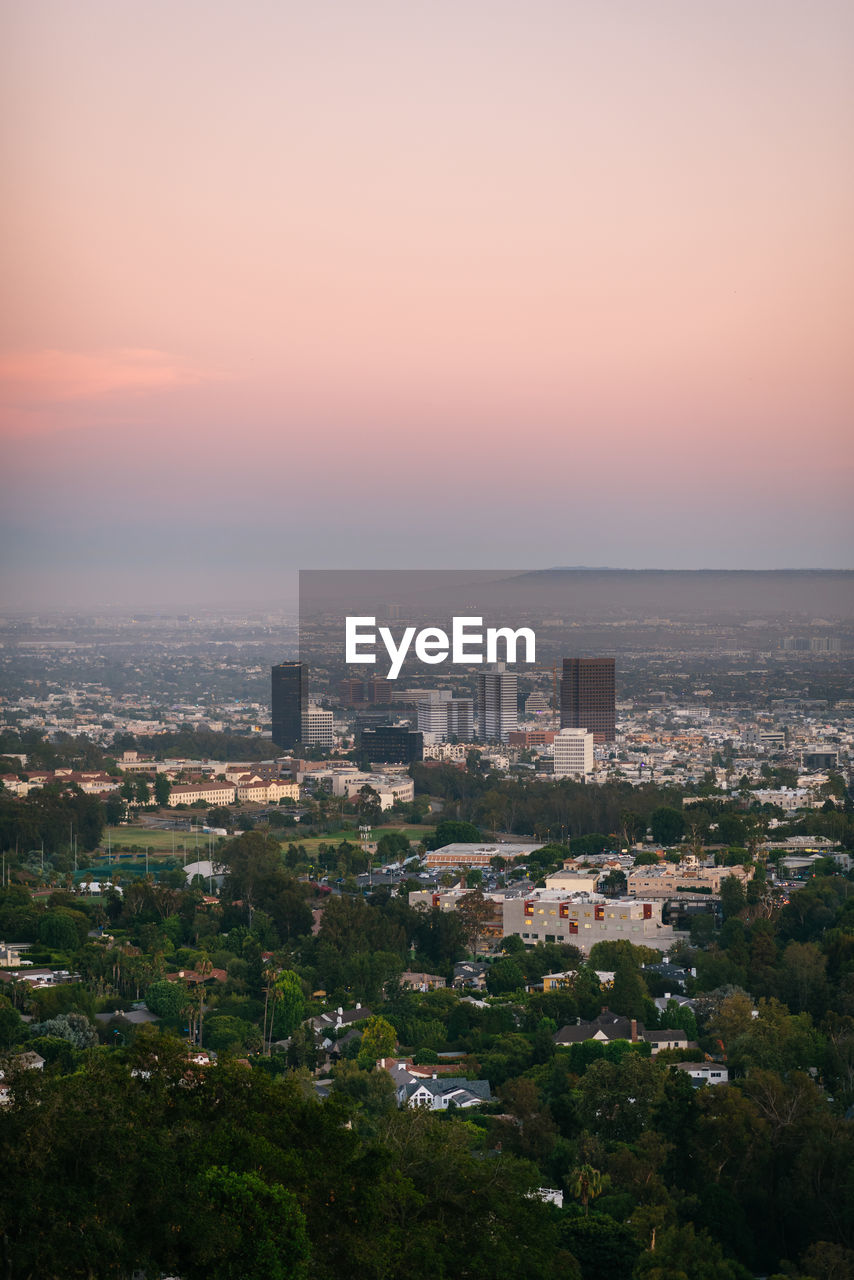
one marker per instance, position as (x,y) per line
(547,915)
(497,705)
(391,788)
(443,716)
(573,753)
(213,793)
(455,751)
(317,728)
(477,855)
(574,881)
(666,880)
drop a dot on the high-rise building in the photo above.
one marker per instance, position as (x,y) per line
(289,702)
(317,728)
(573,750)
(497,703)
(444,716)
(587,697)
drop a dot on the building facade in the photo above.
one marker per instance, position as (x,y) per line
(551,916)
(317,728)
(497,703)
(392,744)
(573,750)
(588,697)
(289,702)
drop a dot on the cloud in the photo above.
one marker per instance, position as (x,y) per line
(55,376)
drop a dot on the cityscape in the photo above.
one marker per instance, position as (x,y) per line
(499,889)
(427,640)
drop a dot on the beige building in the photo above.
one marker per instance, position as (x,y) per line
(574,881)
(666,880)
(255,789)
(213,793)
(547,915)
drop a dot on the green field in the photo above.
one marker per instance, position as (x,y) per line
(160,843)
(292,836)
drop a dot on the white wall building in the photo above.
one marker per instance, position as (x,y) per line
(317,728)
(573,753)
(497,703)
(444,717)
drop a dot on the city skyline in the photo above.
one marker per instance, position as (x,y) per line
(274,276)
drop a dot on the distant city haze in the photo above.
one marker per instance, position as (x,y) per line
(405,285)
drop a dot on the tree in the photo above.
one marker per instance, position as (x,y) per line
(167,999)
(628,992)
(473,909)
(12,1026)
(451,831)
(586,1183)
(680,1253)
(393,846)
(733,897)
(373,1091)
(61,929)
(73,1027)
(288,1004)
(668,825)
(504,976)
(142,794)
(370,808)
(379,1040)
(162,789)
(247,1229)
(224,1032)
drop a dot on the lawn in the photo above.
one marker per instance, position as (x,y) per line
(160,843)
(291,835)
(157,841)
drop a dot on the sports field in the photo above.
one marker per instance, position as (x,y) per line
(163,843)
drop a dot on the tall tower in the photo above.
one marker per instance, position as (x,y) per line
(290,701)
(497,703)
(587,697)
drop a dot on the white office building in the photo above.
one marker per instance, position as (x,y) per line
(444,716)
(317,728)
(497,703)
(573,753)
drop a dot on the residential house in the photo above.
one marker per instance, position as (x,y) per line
(705,1072)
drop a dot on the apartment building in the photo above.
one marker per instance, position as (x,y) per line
(548,915)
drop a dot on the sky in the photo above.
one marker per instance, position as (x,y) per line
(465,283)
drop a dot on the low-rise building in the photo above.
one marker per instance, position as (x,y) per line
(547,915)
(212,793)
(705,1072)
(476,855)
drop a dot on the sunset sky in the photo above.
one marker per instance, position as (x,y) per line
(398,283)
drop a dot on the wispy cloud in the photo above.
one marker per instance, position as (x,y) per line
(55,376)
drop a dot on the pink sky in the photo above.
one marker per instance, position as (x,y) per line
(285,276)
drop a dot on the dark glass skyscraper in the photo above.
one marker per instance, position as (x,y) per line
(290,700)
(587,697)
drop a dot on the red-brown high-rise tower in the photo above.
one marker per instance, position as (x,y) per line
(587,696)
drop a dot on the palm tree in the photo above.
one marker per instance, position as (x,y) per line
(586,1183)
